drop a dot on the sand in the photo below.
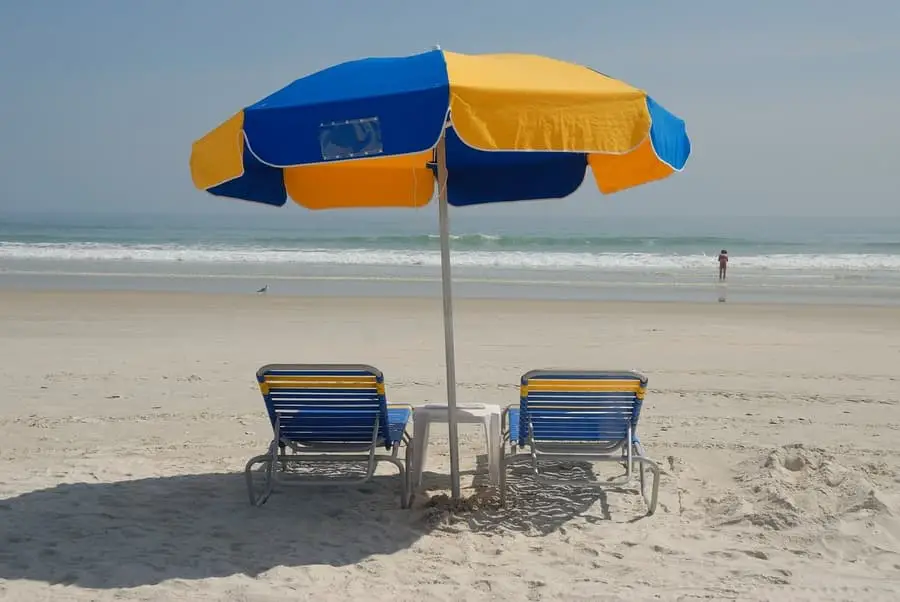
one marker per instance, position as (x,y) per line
(125,420)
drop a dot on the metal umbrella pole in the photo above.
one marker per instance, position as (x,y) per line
(446,285)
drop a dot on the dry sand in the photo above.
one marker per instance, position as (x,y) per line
(125,420)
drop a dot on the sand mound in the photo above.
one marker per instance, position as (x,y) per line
(796,485)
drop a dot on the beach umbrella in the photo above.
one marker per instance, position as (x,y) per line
(382,132)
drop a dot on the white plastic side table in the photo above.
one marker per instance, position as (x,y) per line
(484,414)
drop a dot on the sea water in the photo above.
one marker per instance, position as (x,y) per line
(396,253)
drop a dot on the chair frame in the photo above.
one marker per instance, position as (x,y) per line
(312,453)
(631,450)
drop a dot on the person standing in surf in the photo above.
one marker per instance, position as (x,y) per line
(723,264)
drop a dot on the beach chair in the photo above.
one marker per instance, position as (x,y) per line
(329,413)
(576,415)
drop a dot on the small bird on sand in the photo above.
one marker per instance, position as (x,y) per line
(263,290)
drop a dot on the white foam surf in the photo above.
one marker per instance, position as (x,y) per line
(505,259)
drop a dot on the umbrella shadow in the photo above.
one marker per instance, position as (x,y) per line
(142,532)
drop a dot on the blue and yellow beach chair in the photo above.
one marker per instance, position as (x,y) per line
(578,415)
(329,413)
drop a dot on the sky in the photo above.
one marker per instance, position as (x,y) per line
(792,106)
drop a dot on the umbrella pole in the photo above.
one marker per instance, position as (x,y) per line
(446,282)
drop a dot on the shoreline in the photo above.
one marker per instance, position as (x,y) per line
(526,305)
(425,283)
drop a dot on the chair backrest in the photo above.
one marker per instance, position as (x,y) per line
(580,405)
(325,403)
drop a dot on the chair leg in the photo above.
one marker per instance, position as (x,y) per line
(643,479)
(268,461)
(636,465)
(502,461)
(248,475)
(646,463)
(403,474)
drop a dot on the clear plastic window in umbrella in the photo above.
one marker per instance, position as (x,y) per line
(350,139)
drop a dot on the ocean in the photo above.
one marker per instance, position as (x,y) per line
(499,255)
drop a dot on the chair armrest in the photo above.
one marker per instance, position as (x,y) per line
(504,421)
(401,406)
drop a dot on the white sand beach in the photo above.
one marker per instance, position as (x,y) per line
(126,419)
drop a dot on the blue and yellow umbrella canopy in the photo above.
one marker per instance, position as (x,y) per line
(363,134)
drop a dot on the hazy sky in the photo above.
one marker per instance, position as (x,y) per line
(792,105)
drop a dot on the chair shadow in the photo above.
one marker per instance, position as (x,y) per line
(142,532)
(534,508)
